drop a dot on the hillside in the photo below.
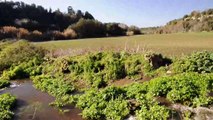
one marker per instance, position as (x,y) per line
(195,22)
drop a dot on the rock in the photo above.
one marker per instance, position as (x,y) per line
(203,114)
(131,118)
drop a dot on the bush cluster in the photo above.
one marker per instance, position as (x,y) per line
(21,60)
(10,32)
(201,62)
(98,69)
(190,89)
(7,102)
(56,87)
(23,70)
(4,83)
(116,103)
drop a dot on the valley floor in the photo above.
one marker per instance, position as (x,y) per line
(167,44)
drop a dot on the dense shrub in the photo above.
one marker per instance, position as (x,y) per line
(106,104)
(98,69)
(9,32)
(191,89)
(56,35)
(23,70)
(201,62)
(56,87)
(139,99)
(4,83)
(136,90)
(134,66)
(70,34)
(133,30)
(19,52)
(23,33)
(113,29)
(115,103)
(152,111)
(7,102)
(35,36)
(86,28)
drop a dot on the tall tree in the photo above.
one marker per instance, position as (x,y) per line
(88,16)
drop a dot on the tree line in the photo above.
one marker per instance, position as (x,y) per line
(35,23)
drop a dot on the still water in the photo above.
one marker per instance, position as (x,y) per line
(33,104)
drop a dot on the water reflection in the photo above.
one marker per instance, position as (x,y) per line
(34,105)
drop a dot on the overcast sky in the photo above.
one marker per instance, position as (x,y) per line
(142,13)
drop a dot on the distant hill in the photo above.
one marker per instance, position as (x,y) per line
(195,22)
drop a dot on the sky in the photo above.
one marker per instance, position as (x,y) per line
(142,13)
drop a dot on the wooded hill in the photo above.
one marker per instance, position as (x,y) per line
(33,17)
(35,23)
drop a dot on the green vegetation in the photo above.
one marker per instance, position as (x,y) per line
(201,62)
(190,89)
(115,103)
(4,83)
(89,28)
(54,86)
(7,102)
(98,69)
(20,60)
(91,75)
(107,104)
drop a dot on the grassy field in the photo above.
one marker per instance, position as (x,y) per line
(167,44)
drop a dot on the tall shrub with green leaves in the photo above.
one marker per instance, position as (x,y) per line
(200,62)
(7,102)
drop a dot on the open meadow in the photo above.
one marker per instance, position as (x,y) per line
(167,44)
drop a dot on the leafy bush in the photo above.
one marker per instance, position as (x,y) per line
(23,70)
(114,29)
(201,62)
(7,102)
(98,69)
(105,104)
(152,112)
(89,28)
(117,103)
(136,90)
(18,52)
(189,88)
(116,109)
(4,83)
(134,66)
(56,87)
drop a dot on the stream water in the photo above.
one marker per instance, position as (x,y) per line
(33,104)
